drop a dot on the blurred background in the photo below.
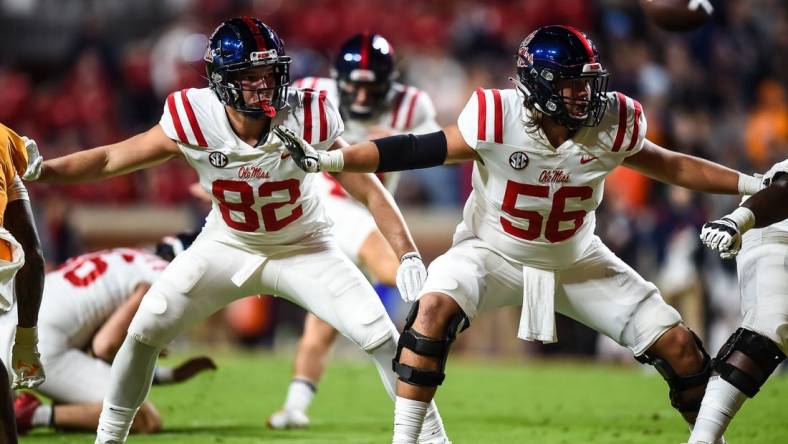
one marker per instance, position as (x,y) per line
(77,74)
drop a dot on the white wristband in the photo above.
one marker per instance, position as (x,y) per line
(749,184)
(332,161)
(410,255)
(743,217)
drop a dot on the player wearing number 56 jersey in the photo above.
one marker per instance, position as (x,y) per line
(266,233)
(541,152)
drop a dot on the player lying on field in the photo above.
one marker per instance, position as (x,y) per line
(541,152)
(760,229)
(87,306)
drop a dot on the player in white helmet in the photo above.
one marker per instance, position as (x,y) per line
(541,152)
(86,309)
(267,232)
(760,230)
(372,105)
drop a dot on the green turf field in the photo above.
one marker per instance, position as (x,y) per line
(480,403)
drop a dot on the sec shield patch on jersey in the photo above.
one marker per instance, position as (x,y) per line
(518,160)
(217,159)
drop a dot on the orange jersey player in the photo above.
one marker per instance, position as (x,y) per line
(20,257)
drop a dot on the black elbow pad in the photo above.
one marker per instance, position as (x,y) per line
(409,152)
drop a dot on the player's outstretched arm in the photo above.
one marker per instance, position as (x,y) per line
(394,153)
(690,172)
(761,210)
(29,283)
(367,189)
(770,205)
(141,151)
(29,286)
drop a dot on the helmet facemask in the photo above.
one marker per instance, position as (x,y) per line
(546,90)
(559,75)
(227,81)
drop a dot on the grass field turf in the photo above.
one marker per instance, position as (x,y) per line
(481,402)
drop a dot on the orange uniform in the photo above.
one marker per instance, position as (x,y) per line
(13,161)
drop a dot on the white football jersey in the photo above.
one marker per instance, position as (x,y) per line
(530,201)
(411,112)
(84,292)
(260,199)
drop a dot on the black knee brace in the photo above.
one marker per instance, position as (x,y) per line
(426,346)
(678,383)
(763,352)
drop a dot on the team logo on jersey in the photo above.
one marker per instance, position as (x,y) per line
(585,159)
(554,176)
(518,160)
(217,159)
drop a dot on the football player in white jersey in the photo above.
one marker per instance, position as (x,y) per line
(267,232)
(541,152)
(760,229)
(372,105)
(86,309)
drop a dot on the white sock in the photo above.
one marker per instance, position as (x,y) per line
(432,427)
(114,424)
(129,382)
(408,417)
(720,404)
(299,395)
(42,416)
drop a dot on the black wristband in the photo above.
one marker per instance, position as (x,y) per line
(409,152)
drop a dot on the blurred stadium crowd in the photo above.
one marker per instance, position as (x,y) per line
(84,73)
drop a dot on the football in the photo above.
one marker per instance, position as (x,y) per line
(678,15)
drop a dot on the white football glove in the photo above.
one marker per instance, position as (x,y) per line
(34,160)
(724,235)
(25,359)
(411,275)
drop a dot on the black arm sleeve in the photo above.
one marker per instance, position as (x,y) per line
(409,152)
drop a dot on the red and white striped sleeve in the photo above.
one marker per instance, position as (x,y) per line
(414,113)
(322,121)
(180,122)
(306,83)
(629,132)
(482,118)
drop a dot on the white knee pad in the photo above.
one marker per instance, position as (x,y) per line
(371,335)
(160,317)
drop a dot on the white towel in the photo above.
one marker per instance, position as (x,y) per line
(243,274)
(8,270)
(537,320)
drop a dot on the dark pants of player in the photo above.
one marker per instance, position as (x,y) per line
(7,419)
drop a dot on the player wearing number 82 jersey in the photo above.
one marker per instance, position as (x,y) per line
(266,233)
(541,152)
